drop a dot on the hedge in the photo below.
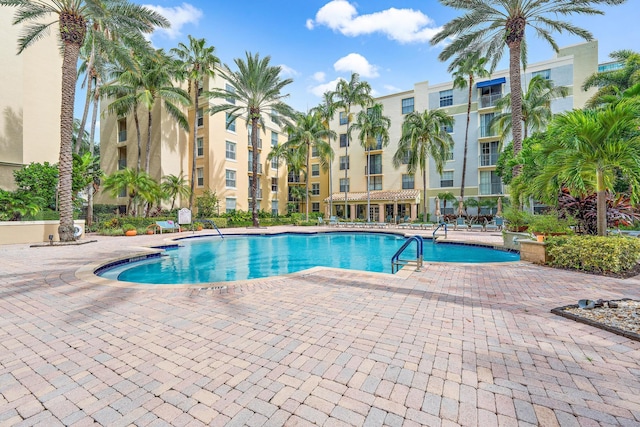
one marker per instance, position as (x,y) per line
(594,254)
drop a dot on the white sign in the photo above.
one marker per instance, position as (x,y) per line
(184,216)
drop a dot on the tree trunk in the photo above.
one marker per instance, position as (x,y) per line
(193,141)
(368,183)
(424,195)
(94,119)
(71,52)
(601,204)
(330,187)
(346,165)
(148,150)
(466,141)
(139,138)
(516,100)
(307,181)
(255,134)
(85,114)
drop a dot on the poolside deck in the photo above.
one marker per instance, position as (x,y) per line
(450,345)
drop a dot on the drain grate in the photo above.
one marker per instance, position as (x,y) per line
(212,288)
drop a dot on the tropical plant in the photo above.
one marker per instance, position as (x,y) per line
(306,133)
(591,147)
(490,25)
(536,108)
(348,94)
(73,17)
(280,153)
(207,204)
(612,83)
(39,180)
(424,136)
(327,109)
(16,204)
(373,128)
(175,186)
(466,68)
(137,184)
(446,196)
(86,173)
(257,89)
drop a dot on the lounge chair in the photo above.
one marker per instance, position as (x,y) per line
(491,226)
(461,224)
(164,226)
(333,221)
(320,221)
(476,227)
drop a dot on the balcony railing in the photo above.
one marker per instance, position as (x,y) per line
(258,195)
(122,164)
(489,159)
(291,177)
(487,101)
(376,147)
(251,167)
(375,170)
(491,189)
(259,142)
(486,131)
(122,135)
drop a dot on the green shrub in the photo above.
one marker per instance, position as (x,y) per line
(594,254)
(128,227)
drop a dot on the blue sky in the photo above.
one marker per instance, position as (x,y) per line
(387,42)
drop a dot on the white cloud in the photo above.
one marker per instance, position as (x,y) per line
(324,87)
(402,25)
(178,16)
(354,62)
(287,71)
(319,76)
(391,88)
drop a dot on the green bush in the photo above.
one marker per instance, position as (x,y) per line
(594,254)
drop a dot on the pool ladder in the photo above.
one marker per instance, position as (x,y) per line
(442,224)
(213,224)
(397,263)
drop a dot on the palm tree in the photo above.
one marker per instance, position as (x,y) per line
(257,90)
(73,17)
(306,133)
(137,184)
(280,153)
(423,136)
(197,61)
(373,127)
(327,109)
(614,82)
(588,151)
(175,186)
(348,94)
(465,69)
(536,107)
(490,25)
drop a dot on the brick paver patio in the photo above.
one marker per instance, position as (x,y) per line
(450,345)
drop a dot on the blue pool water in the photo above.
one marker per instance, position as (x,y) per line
(205,260)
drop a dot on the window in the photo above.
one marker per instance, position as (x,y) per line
(200,146)
(122,130)
(446,179)
(250,164)
(315,170)
(200,117)
(407,105)
(343,140)
(489,153)
(405,158)
(200,175)
(375,183)
(344,184)
(446,98)
(274,207)
(314,151)
(230,203)
(375,164)
(274,162)
(274,138)
(343,118)
(231,124)
(122,158)
(490,183)
(490,95)
(408,182)
(485,125)
(230,89)
(315,207)
(230,178)
(249,135)
(545,74)
(274,185)
(230,152)
(275,116)
(315,189)
(449,155)
(344,162)
(447,128)
(258,189)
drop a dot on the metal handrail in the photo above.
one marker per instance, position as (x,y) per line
(443,224)
(396,262)
(213,224)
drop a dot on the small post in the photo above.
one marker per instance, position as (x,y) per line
(51,239)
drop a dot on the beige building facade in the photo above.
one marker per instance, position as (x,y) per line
(29,100)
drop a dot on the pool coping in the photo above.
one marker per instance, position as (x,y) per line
(88,274)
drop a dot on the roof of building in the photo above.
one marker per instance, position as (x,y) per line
(383,195)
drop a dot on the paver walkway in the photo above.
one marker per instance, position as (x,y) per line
(450,345)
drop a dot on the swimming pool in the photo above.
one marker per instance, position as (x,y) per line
(212,259)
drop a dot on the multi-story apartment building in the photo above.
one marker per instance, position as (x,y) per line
(29,100)
(223,155)
(395,193)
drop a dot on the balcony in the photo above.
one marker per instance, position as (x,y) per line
(490,159)
(494,188)
(122,164)
(251,167)
(486,131)
(376,147)
(293,178)
(375,170)
(487,101)
(258,196)
(259,142)
(122,135)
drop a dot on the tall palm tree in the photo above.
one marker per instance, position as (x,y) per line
(590,149)
(257,90)
(490,25)
(536,107)
(465,69)
(197,61)
(137,184)
(348,94)
(327,109)
(306,133)
(423,136)
(280,153)
(175,186)
(614,82)
(373,127)
(71,17)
